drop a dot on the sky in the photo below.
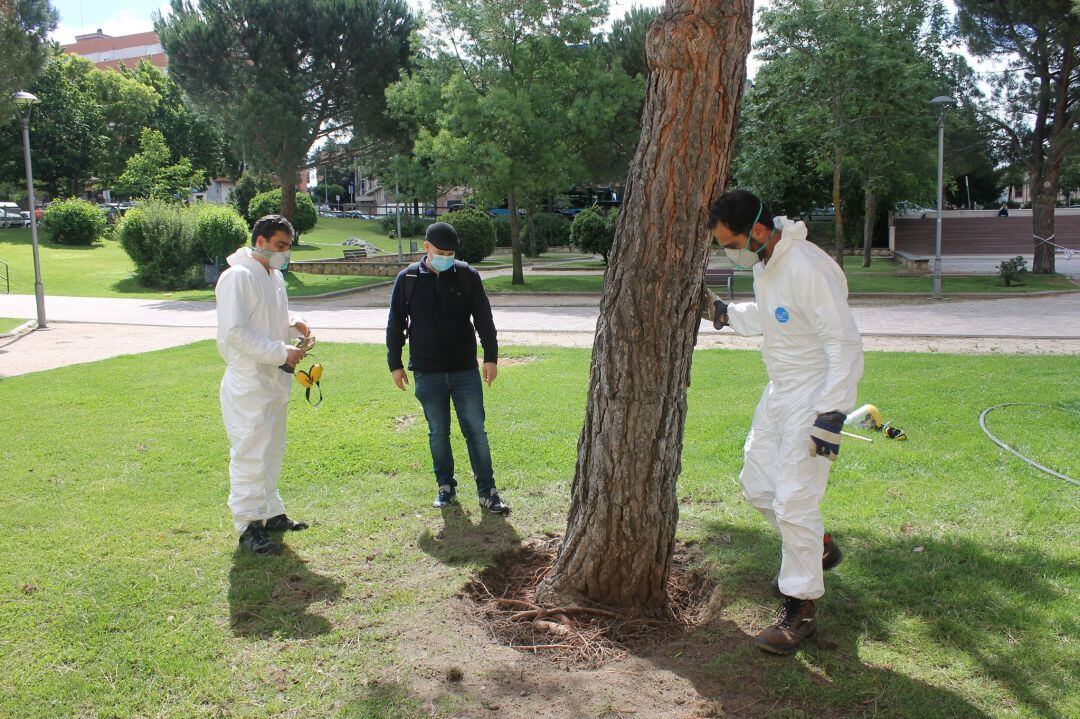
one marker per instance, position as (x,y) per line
(124,17)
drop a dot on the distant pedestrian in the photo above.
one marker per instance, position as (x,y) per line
(1004,211)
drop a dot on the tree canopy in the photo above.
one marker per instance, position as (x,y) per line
(280,76)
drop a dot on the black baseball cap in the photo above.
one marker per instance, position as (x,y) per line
(443,236)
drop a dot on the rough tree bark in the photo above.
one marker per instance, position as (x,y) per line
(1045,185)
(288,197)
(623,509)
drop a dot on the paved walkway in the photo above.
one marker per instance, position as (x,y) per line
(90,329)
(1033,317)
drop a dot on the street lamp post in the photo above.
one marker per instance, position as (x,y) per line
(25,102)
(942,102)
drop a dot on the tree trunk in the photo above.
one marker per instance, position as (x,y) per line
(870,210)
(288,199)
(623,509)
(1044,192)
(838,217)
(532,236)
(515,240)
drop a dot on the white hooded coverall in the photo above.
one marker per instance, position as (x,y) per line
(813,356)
(254,327)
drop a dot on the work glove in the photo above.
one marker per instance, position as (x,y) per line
(825,435)
(713,308)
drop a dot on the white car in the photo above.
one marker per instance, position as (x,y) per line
(11,219)
(12,216)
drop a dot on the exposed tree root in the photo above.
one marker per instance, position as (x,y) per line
(578,635)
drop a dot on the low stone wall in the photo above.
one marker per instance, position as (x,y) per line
(370,267)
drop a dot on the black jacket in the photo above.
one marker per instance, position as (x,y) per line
(443,309)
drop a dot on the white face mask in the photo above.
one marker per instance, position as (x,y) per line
(276,260)
(743,259)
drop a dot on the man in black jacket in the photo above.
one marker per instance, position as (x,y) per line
(434,305)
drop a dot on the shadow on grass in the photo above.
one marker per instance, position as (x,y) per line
(383,700)
(951,597)
(462,542)
(269,596)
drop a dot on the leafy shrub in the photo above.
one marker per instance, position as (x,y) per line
(269,203)
(247,187)
(1013,270)
(159,237)
(73,222)
(476,232)
(551,229)
(502,231)
(593,231)
(411,225)
(218,230)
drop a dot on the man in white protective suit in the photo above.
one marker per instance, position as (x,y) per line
(254,330)
(814,359)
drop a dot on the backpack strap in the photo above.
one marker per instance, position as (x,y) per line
(412,274)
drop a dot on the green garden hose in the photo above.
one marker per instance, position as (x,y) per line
(1007,448)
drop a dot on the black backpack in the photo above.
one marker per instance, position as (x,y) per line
(412,274)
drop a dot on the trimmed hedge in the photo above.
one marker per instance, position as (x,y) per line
(169,243)
(411,225)
(476,232)
(218,230)
(269,203)
(592,231)
(74,222)
(160,239)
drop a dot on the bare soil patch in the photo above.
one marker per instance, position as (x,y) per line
(580,636)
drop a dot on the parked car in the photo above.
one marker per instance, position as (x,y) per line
(822,214)
(12,216)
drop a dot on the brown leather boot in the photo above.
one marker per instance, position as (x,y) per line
(794,622)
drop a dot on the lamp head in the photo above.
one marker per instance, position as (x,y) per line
(25,99)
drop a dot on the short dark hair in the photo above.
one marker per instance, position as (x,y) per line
(737,210)
(269,225)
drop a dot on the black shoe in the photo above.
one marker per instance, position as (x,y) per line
(830,557)
(493,504)
(258,541)
(447,496)
(282,523)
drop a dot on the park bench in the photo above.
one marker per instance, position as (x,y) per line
(360,253)
(716,276)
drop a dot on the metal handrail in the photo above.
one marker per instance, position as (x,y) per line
(7,276)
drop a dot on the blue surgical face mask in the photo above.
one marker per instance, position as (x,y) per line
(441,263)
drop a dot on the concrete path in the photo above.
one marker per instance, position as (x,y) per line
(67,343)
(89,329)
(1032,317)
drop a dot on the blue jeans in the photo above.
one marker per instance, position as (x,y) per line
(435,390)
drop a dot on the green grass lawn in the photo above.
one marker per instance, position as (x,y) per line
(7,324)
(122,594)
(857,282)
(105,270)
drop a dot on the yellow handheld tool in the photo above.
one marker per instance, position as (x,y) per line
(311,380)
